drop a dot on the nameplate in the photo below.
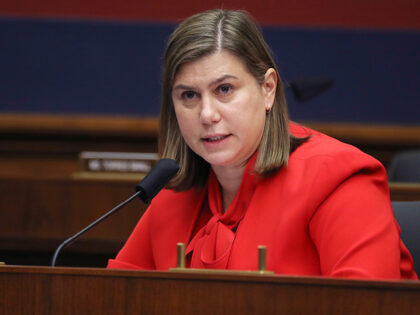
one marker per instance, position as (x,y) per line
(117,162)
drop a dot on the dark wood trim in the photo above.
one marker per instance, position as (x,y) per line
(234,276)
(404,191)
(148,126)
(370,133)
(78,125)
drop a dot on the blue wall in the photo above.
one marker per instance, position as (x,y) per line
(88,67)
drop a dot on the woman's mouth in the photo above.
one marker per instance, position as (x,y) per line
(215,138)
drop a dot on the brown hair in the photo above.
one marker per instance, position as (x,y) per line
(200,35)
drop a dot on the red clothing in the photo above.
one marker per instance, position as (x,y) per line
(327,213)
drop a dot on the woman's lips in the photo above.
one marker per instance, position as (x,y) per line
(214,139)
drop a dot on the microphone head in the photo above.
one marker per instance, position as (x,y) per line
(156,179)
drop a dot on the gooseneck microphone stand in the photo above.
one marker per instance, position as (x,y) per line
(70,240)
(152,183)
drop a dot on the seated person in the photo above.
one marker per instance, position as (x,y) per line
(248,176)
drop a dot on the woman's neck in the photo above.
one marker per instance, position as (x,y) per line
(230,179)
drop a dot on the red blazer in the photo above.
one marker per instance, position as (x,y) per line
(327,213)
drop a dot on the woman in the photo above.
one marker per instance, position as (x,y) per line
(248,177)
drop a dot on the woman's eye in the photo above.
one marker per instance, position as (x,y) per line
(188,95)
(225,89)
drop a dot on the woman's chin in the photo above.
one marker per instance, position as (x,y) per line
(225,163)
(219,161)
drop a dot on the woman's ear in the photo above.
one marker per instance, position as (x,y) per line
(269,88)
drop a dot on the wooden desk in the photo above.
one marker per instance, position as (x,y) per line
(37,290)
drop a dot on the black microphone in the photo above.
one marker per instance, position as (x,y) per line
(157,178)
(154,181)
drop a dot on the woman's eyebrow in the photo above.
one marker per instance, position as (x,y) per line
(222,78)
(183,87)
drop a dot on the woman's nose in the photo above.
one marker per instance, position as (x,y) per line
(209,111)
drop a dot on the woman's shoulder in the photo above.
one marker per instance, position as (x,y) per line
(323,160)
(325,149)
(319,166)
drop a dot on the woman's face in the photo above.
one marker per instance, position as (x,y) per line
(221,108)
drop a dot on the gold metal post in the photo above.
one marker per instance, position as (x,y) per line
(262,258)
(180,255)
(181,265)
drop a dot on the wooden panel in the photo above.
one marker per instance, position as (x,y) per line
(97,291)
(52,210)
(38,214)
(66,136)
(48,146)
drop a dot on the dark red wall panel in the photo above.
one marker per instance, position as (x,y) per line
(367,14)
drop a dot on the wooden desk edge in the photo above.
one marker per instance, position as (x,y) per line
(234,277)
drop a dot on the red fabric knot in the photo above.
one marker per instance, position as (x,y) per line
(211,246)
(211,224)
